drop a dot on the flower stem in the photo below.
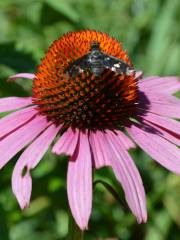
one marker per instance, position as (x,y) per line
(74,232)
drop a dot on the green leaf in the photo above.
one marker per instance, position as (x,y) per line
(65,8)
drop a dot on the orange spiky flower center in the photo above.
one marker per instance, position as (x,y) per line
(85,101)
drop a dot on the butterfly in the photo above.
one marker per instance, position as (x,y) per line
(96,62)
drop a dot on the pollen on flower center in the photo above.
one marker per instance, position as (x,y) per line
(84,101)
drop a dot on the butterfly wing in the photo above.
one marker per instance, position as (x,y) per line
(78,66)
(117,65)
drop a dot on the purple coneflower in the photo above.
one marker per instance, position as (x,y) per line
(88,113)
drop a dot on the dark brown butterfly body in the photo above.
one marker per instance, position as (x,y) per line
(96,62)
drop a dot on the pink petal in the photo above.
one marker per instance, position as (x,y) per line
(11,103)
(138,75)
(22,183)
(79,182)
(164,122)
(15,120)
(164,133)
(22,75)
(148,79)
(161,150)
(14,142)
(128,175)
(165,85)
(99,152)
(67,143)
(163,105)
(169,128)
(128,143)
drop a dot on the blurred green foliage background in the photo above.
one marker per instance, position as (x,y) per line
(150,31)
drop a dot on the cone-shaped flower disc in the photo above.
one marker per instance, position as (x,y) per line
(85,101)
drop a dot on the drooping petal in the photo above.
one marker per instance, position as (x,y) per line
(67,142)
(162,104)
(96,142)
(128,143)
(22,183)
(165,85)
(15,120)
(12,103)
(128,175)
(14,142)
(79,182)
(22,75)
(168,128)
(161,150)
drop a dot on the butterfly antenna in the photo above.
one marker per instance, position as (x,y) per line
(95,45)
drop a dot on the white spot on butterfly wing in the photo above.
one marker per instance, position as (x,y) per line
(113,69)
(117,65)
(129,71)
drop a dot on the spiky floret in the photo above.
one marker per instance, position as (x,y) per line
(85,101)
